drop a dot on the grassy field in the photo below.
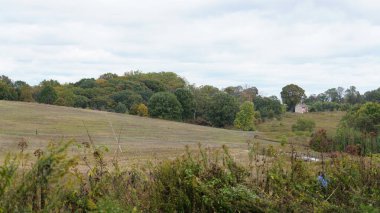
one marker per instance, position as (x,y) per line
(140,138)
(276,129)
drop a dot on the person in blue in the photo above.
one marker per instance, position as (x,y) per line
(322,180)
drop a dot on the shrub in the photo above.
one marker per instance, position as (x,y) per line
(121,108)
(47,95)
(360,126)
(320,142)
(245,119)
(81,101)
(269,107)
(142,110)
(165,105)
(186,98)
(303,124)
(222,110)
(353,149)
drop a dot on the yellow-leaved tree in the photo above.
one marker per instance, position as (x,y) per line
(245,118)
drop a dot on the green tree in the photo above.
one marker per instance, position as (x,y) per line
(292,95)
(47,95)
(86,83)
(234,91)
(103,102)
(155,85)
(245,119)
(243,94)
(66,96)
(165,105)
(7,89)
(171,80)
(333,95)
(352,96)
(7,92)
(25,93)
(367,118)
(81,101)
(132,87)
(51,82)
(222,110)
(186,98)
(127,97)
(203,97)
(269,107)
(6,80)
(360,126)
(108,76)
(120,108)
(373,96)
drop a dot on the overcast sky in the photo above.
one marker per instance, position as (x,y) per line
(265,43)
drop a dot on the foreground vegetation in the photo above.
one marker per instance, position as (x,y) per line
(202,181)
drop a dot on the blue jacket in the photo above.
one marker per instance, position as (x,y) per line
(322,181)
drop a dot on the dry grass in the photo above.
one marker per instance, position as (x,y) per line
(275,129)
(140,138)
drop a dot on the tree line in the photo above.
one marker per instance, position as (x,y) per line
(168,96)
(159,95)
(340,99)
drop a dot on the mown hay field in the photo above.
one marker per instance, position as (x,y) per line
(140,137)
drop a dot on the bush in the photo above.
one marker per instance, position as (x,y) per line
(47,95)
(121,108)
(269,107)
(186,98)
(140,110)
(303,124)
(320,142)
(222,110)
(245,119)
(165,105)
(189,185)
(81,101)
(360,126)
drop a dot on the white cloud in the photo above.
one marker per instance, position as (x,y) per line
(316,44)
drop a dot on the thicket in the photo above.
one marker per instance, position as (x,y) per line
(202,181)
(340,99)
(359,129)
(357,133)
(269,107)
(137,93)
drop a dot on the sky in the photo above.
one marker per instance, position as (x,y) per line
(316,44)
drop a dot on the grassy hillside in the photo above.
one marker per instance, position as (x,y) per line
(139,137)
(275,129)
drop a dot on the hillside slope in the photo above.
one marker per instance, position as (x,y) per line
(140,137)
(276,129)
